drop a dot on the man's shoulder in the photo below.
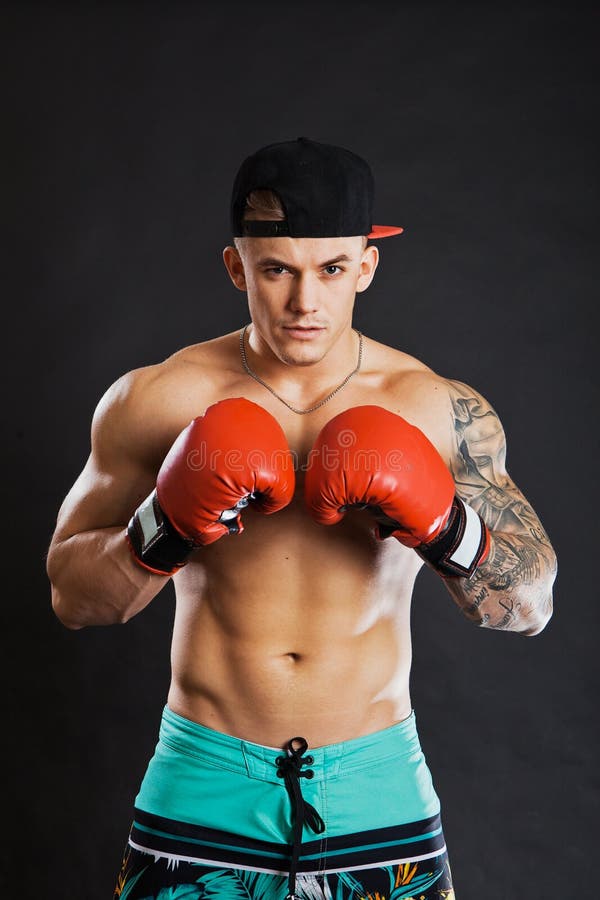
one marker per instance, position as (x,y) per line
(413,390)
(220,352)
(196,366)
(160,399)
(405,372)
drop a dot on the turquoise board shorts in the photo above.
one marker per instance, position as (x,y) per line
(220,817)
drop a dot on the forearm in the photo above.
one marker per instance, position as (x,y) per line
(96,581)
(512,589)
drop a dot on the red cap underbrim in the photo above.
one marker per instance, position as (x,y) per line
(381,231)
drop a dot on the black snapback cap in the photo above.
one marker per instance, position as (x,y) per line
(325,191)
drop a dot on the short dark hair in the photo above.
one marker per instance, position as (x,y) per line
(263,204)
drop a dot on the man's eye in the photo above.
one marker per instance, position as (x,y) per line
(332,270)
(277,270)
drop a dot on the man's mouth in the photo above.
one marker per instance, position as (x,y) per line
(303,332)
(303,327)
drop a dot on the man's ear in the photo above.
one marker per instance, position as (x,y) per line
(368,264)
(235,267)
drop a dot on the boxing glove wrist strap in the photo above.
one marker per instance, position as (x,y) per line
(155,543)
(461,547)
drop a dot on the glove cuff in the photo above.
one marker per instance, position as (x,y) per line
(153,540)
(461,547)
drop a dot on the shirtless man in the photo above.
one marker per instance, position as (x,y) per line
(292,478)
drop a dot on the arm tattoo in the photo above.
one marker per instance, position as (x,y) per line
(513,582)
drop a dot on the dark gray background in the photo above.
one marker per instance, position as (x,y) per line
(123,126)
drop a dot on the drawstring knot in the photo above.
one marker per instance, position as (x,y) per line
(289,767)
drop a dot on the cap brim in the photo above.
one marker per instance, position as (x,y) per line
(382,231)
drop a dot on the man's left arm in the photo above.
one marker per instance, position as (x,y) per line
(511,590)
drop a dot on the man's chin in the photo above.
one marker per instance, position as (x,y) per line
(302,357)
(301,352)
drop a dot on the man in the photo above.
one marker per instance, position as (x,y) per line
(292,478)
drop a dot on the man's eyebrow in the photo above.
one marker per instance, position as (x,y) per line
(343,257)
(273,261)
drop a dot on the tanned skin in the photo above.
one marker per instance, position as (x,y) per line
(293,627)
(510,586)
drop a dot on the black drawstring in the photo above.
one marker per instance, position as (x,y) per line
(290,769)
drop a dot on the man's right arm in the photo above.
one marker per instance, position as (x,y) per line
(122,531)
(94,578)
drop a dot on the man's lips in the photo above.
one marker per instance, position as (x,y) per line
(303,332)
(304,327)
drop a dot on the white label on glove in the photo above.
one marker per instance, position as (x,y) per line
(147,519)
(471,540)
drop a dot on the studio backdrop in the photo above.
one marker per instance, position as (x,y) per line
(124,125)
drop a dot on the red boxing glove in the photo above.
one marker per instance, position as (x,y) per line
(234,454)
(370,458)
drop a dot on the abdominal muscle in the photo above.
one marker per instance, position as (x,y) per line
(292,628)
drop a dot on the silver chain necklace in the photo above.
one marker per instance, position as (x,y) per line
(301,412)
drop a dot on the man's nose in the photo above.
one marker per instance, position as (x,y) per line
(304,295)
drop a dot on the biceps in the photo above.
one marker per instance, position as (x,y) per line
(479,465)
(101,499)
(480,442)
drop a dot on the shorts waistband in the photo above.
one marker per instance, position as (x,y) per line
(228,752)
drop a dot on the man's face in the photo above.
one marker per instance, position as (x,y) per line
(301,290)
